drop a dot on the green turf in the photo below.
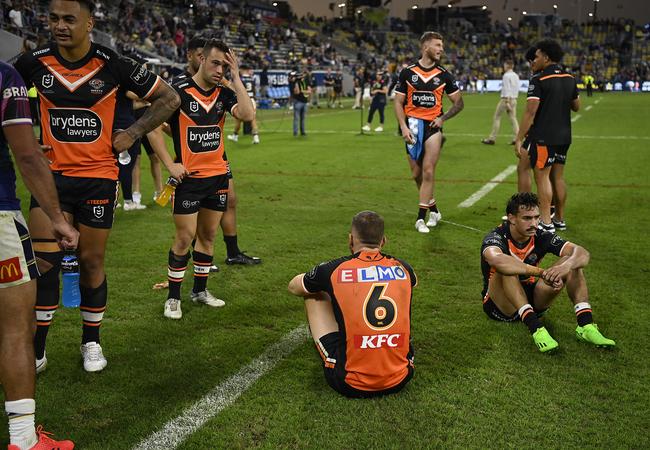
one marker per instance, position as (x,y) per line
(478,383)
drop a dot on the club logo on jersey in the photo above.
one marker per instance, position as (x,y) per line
(140,75)
(75,125)
(194,106)
(372,274)
(379,341)
(10,270)
(532,258)
(47,81)
(96,86)
(414,78)
(202,139)
(98,211)
(424,99)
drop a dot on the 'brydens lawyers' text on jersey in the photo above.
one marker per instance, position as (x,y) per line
(371,296)
(555,89)
(197,128)
(14,110)
(423,88)
(531,252)
(78,105)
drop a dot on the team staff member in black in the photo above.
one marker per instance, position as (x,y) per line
(378,91)
(201,198)
(418,108)
(78,81)
(552,95)
(300,92)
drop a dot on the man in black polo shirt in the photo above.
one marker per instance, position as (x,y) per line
(552,94)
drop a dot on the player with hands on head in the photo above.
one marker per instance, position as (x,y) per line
(510,262)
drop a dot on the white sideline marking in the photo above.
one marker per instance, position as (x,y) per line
(589,107)
(174,432)
(461,225)
(575,136)
(487,187)
(598,101)
(576,117)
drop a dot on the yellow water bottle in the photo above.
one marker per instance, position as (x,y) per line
(168,190)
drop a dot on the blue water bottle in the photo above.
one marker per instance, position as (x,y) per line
(71,293)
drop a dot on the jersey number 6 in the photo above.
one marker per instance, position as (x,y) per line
(379,311)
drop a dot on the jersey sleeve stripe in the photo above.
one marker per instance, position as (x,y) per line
(153,88)
(533,98)
(23,120)
(565,244)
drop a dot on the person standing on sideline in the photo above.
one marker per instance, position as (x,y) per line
(418,108)
(546,125)
(359,313)
(507,103)
(378,92)
(18,270)
(300,91)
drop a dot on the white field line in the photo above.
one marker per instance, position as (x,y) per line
(174,432)
(576,117)
(487,187)
(597,101)
(613,137)
(589,107)
(462,226)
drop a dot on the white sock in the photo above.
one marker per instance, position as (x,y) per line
(580,306)
(523,309)
(21,422)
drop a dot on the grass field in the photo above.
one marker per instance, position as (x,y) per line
(478,383)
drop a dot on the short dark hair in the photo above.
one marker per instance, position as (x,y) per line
(550,48)
(88,5)
(196,42)
(428,35)
(215,43)
(369,228)
(530,53)
(528,200)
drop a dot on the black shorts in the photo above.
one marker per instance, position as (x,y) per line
(494,313)
(229,173)
(427,132)
(196,193)
(334,345)
(542,156)
(91,201)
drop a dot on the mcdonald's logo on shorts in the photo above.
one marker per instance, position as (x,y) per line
(10,270)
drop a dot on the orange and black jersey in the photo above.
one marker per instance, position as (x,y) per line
(555,90)
(197,128)
(423,88)
(530,252)
(77,104)
(371,296)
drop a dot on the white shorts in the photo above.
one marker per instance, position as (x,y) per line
(17,261)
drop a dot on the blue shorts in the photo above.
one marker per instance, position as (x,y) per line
(422,130)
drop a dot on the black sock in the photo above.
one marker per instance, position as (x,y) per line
(232,249)
(202,263)
(93,305)
(47,300)
(433,207)
(529,317)
(422,212)
(583,313)
(177,266)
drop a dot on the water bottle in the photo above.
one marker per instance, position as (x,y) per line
(71,293)
(168,190)
(124,158)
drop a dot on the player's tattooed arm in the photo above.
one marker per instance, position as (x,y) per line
(164,101)
(456,107)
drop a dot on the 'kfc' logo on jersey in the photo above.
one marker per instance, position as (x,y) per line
(75,125)
(424,99)
(372,274)
(379,341)
(202,139)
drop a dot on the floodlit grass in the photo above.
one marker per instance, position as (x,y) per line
(478,383)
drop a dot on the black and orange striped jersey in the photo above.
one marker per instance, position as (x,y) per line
(530,252)
(77,103)
(197,128)
(555,89)
(423,88)
(371,296)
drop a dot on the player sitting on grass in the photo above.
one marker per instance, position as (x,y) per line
(510,257)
